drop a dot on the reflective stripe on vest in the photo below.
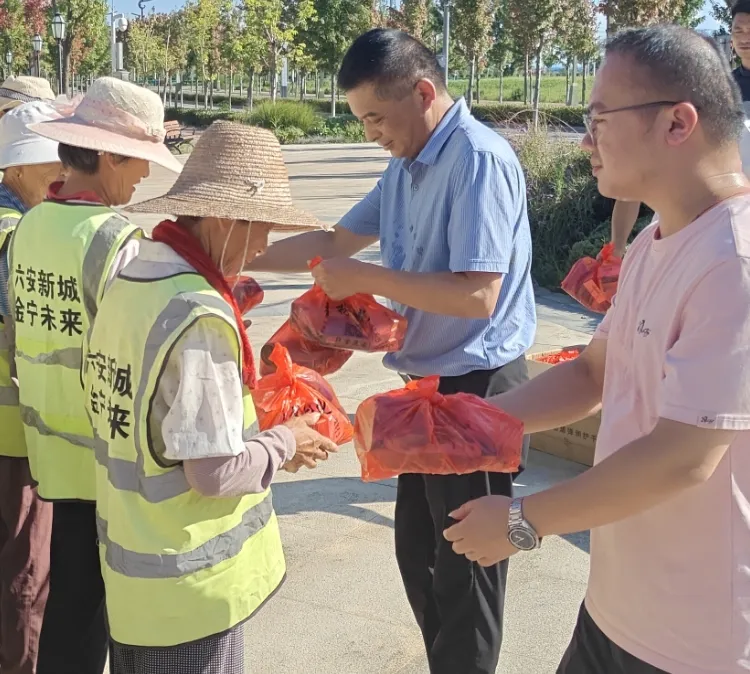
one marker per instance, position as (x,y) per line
(177,566)
(60,255)
(12,442)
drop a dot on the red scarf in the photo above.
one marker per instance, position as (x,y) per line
(186,245)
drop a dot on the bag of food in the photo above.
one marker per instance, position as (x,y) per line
(304,352)
(248,293)
(593,283)
(292,391)
(357,322)
(562,356)
(418,430)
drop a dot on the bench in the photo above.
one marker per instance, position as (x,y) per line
(177,136)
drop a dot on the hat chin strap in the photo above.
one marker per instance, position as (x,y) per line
(244,256)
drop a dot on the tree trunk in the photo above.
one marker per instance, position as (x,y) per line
(303,86)
(479,80)
(251,78)
(205,92)
(583,82)
(241,82)
(573,79)
(317,84)
(502,81)
(273,74)
(333,94)
(470,92)
(182,89)
(567,81)
(211,89)
(231,86)
(538,85)
(526,79)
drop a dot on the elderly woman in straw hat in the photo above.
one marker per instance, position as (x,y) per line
(30,163)
(190,542)
(23,89)
(61,256)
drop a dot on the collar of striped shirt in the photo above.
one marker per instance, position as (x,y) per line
(8,199)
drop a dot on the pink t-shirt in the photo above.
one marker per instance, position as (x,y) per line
(672,585)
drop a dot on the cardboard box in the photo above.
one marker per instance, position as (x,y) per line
(575,442)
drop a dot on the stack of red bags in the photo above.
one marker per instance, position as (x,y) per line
(593,283)
(418,430)
(322,333)
(291,391)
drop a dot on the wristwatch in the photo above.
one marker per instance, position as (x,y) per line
(520,533)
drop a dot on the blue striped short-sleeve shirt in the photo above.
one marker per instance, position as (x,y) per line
(460,206)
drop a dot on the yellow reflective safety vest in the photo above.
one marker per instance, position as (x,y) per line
(177,566)
(12,442)
(60,256)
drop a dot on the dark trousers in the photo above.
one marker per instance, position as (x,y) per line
(592,652)
(74,635)
(25,527)
(457,603)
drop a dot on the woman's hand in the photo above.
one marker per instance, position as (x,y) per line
(311,446)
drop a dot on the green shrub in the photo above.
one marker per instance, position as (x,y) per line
(517,113)
(289,134)
(285,114)
(568,216)
(323,106)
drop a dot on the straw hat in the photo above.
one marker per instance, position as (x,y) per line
(22,89)
(237,172)
(118,117)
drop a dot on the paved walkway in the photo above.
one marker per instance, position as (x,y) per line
(342,609)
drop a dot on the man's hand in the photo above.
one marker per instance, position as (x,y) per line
(311,446)
(342,277)
(481,534)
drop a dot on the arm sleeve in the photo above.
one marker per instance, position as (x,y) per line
(364,218)
(248,473)
(486,209)
(201,394)
(707,368)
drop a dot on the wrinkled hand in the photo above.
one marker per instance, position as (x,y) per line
(311,446)
(341,277)
(481,534)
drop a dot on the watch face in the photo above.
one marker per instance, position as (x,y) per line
(522,539)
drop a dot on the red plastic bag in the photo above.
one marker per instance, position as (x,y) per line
(418,430)
(321,359)
(558,356)
(247,292)
(358,322)
(593,283)
(292,391)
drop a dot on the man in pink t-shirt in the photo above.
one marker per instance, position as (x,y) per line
(668,499)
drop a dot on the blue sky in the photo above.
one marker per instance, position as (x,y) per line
(131,6)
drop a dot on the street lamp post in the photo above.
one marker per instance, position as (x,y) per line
(119,23)
(58,32)
(36,43)
(9,61)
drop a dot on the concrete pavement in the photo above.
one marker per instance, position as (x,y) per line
(342,609)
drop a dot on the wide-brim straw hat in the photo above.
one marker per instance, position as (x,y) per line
(15,91)
(117,117)
(236,172)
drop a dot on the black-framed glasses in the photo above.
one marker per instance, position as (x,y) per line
(590,124)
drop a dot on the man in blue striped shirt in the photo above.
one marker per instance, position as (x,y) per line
(450,215)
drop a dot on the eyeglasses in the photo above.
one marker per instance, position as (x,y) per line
(590,124)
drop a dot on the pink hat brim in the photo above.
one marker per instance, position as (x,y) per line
(72,132)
